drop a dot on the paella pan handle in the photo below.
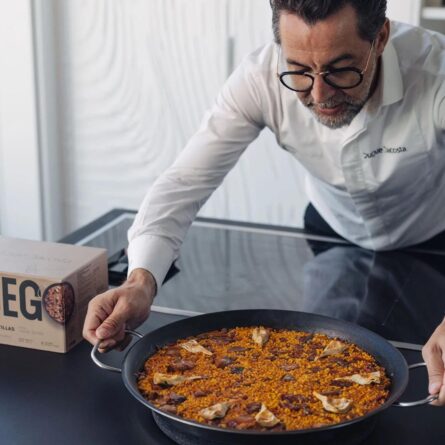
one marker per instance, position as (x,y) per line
(429,399)
(103,365)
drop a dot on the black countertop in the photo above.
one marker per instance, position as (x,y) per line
(48,398)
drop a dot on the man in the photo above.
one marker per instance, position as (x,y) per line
(359,105)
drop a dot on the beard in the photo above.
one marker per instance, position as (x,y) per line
(350,106)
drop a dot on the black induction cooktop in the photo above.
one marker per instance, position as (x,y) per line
(232,265)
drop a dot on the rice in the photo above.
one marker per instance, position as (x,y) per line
(282,375)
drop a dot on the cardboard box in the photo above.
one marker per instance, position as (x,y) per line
(44,292)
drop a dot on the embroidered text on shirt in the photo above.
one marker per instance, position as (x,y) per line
(381,150)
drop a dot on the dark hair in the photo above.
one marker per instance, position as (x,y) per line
(371,13)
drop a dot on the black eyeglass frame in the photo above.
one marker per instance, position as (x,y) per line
(324,75)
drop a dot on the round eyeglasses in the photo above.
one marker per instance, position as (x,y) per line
(342,78)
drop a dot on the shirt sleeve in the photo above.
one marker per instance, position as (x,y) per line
(173,201)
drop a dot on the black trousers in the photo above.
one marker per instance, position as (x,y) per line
(314,223)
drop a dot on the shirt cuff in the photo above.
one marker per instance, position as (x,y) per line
(151,253)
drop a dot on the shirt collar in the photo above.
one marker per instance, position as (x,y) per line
(391,88)
(389,91)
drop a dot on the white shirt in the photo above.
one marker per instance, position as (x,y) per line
(380,182)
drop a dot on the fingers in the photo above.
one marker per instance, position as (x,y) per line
(434,356)
(110,313)
(106,319)
(439,388)
(112,329)
(433,359)
(441,400)
(99,309)
(114,325)
(110,344)
(124,343)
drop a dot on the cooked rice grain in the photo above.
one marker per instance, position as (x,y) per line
(282,374)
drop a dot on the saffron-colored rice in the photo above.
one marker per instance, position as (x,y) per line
(283,375)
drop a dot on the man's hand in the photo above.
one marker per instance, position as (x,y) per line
(434,355)
(125,307)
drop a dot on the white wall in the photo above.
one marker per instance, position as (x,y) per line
(20,173)
(120,86)
(411,11)
(408,11)
(136,79)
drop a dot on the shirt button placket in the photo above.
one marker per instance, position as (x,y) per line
(356,186)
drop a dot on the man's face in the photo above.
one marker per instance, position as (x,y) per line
(329,44)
